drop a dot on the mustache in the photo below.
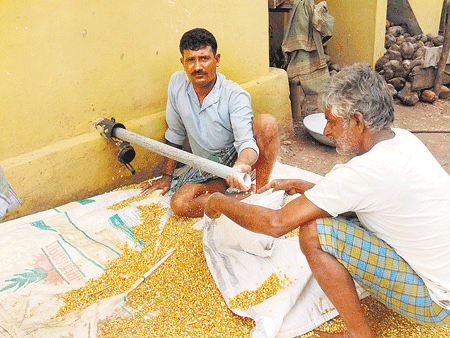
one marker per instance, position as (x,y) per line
(198,72)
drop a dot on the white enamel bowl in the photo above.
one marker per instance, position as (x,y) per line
(315,124)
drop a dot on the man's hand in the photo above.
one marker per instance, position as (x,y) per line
(291,186)
(211,206)
(279,184)
(243,164)
(162,183)
(233,180)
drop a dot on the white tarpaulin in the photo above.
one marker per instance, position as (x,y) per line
(47,254)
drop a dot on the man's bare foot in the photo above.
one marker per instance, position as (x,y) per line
(345,334)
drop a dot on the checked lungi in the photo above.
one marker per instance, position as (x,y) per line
(380,270)
(189,174)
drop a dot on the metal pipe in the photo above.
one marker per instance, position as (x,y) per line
(179,155)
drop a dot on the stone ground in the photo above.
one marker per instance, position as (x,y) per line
(429,122)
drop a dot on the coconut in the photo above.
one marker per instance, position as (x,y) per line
(428,96)
(389,40)
(391,69)
(394,55)
(411,99)
(387,73)
(436,39)
(416,62)
(396,30)
(393,64)
(397,82)
(381,62)
(445,92)
(407,97)
(392,89)
(417,45)
(400,39)
(439,41)
(403,70)
(395,47)
(407,50)
(420,53)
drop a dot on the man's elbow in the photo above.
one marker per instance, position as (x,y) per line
(278,225)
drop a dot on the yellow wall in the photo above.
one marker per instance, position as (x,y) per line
(359,30)
(428,14)
(67,64)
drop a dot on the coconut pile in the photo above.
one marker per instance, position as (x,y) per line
(403,52)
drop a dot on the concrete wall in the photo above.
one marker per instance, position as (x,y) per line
(67,64)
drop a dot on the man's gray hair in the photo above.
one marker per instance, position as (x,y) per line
(358,88)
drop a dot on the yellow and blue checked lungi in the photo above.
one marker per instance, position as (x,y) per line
(380,270)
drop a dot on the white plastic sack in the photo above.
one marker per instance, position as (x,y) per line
(241,260)
(49,253)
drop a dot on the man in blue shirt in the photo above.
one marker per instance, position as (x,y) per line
(215,115)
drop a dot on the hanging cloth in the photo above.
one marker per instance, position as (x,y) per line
(309,26)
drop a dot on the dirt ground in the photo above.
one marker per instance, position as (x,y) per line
(429,122)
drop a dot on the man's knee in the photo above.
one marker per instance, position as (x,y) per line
(265,128)
(179,202)
(309,238)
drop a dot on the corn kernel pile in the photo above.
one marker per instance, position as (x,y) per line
(140,197)
(121,273)
(181,298)
(268,288)
(127,202)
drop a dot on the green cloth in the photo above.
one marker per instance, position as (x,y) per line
(307,28)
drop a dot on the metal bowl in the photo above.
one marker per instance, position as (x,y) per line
(315,124)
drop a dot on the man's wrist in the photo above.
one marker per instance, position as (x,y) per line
(167,175)
(210,208)
(215,198)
